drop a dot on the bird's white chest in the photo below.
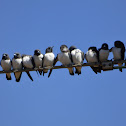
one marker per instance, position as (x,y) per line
(17,63)
(116,53)
(48,59)
(64,58)
(103,55)
(77,56)
(27,62)
(91,56)
(6,64)
(38,60)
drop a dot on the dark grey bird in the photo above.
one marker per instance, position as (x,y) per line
(65,58)
(103,52)
(92,55)
(28,62)
(6,65)
(77,58)
(17,65)
(48,60)
(118,52)
(38,59)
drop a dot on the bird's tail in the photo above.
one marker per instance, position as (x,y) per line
(45,71)
(29,75)
(8,76)
(120,69)
(71,71)
(18,76)
(94,69)
(40,72)
(78,70)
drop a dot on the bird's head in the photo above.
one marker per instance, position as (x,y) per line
(93,48)
(5,56)
(17,55)
(72,48)
(49,49)
(104,46)
(64,48)
(119,44)
(37,52)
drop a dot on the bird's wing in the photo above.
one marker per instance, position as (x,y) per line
(33,62)
(97,52)
(110,50)
(99,49)
(70,56)
(28,71)
(82,54)
(123,52)
(55,61)
(42,60)
(85,57)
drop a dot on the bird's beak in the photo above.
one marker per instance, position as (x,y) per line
(52,47)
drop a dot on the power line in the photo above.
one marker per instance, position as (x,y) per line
(106,66)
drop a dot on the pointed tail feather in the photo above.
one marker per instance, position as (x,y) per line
(40,72)
(8,76)
(99,69)
(94,69)
(71,71)
(120,69)
(29,75)
(17,76)
(78,70)
(49,73)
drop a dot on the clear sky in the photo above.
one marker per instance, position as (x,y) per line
(62,100)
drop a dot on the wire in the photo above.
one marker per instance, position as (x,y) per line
(74,65)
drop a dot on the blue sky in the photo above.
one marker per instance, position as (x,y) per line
(62,100)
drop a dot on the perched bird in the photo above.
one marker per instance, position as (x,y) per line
(92,55)
(17,65)
(77,58)
(65,58)
(103,52)
(118,52)
(6,65)
(48,59)
(38,58)
(28,62)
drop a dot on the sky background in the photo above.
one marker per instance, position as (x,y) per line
(62,100)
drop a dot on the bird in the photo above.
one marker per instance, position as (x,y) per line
(28,62)
(103,52)
(17,65)
(6,65)
(92,55)
(48,59)
(65,58)
(77,58)
(118,52)
(38,59)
